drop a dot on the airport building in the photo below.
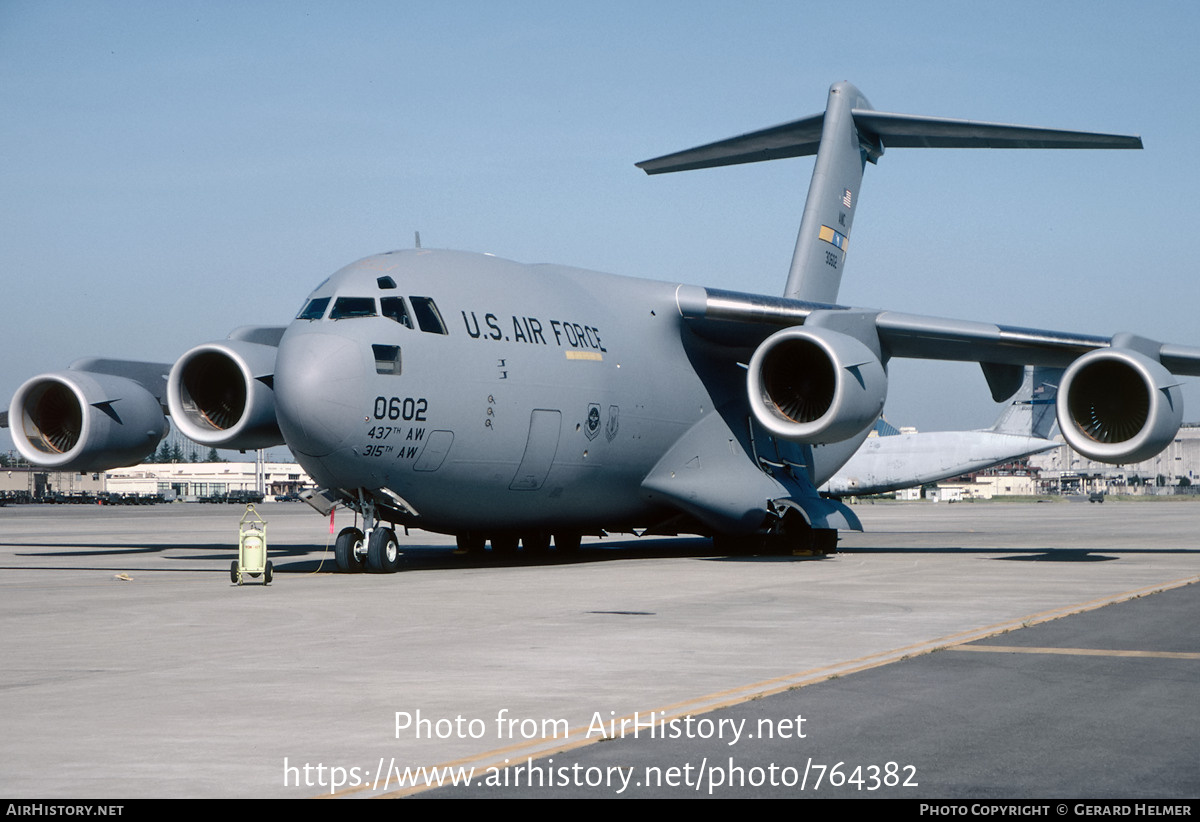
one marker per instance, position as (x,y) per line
(37,483)
(188,481)
(198,480)
(987,485)
(1175,470)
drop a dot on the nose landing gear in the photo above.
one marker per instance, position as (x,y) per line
(376,549)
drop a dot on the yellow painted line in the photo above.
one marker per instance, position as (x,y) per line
(585,355)
(1018,649)
(538,748)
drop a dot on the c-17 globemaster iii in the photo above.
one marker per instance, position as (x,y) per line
(470,395)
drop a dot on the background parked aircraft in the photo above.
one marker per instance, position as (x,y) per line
(895,459)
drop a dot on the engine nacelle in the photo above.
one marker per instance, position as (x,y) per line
(1117,405)
(82,421)
(221,394)
(814,385)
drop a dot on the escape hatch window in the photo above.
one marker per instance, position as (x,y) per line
(315,309)
(385,282)
(348,307)
(428,316)
(387,359)
(393,308)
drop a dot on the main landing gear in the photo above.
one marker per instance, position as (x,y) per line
(802,542)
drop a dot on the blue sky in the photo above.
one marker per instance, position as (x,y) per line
(171,170)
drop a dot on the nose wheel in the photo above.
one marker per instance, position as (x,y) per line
(349,551)
(383,551)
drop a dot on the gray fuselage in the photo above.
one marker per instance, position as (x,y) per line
(552,393)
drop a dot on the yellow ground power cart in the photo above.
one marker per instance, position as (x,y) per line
(252,549)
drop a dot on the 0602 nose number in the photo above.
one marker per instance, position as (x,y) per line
(401,408)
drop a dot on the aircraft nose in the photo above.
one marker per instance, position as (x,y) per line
(318,382)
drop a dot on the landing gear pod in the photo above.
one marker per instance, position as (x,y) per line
(1117,405)
(814,385)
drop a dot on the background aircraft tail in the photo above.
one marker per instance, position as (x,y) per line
(1031,412)
(845,137)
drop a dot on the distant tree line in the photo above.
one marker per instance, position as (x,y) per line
(176,449)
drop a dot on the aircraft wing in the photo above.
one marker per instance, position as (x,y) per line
(739,318)
(817,373)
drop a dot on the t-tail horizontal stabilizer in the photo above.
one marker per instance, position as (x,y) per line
(844,138)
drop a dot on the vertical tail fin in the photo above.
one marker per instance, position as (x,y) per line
(824,238)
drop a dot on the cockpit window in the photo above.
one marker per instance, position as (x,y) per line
(385,282)
(315,309)
(428,316)
(393,308)
(347,307)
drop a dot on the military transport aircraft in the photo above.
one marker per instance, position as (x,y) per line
(896,460)
(494,400)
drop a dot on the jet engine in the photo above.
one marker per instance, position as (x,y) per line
(82,421)
(1117,405)
(814,385)
(221,394)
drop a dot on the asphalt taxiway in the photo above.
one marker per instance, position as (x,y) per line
(132,667)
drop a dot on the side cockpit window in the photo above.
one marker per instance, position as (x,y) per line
(348,307)
(315,309)
(428,316)
(393,308)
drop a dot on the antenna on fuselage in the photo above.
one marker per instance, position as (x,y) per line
(418,238)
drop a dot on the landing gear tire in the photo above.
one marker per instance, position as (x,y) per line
(567,543)
(345,551)
(383,551)
(505,546)
(742,544)
(469,543)
(538,543)
(825,541)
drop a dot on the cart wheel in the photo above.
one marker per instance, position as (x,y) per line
(267,573)
(233,573)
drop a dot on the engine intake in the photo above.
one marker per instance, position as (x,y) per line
(221,394)
(82,421)
(1117,405)
(815,386)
